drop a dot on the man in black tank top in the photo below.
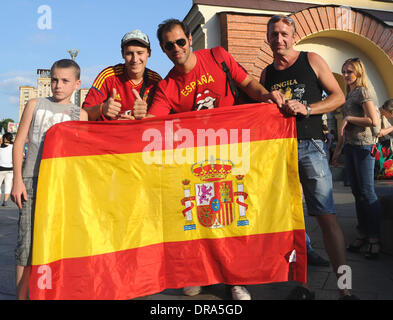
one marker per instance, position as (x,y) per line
(302,77)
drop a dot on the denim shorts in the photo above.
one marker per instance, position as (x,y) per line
(315,177)
(25,225)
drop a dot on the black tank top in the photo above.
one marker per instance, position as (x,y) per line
(299,82)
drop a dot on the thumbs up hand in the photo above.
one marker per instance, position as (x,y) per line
(111,107)
(140,106)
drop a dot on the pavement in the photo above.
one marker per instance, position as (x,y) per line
(371,279)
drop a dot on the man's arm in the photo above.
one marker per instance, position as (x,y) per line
(160,105)
(83,115)
(248,84)
(93,113)
(328,82)
(325,76)
(258,92)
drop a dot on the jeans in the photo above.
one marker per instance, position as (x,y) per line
(360,167)
(315,177)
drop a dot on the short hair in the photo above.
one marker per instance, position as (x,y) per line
(287,20)
(360,71)
(388,106)
(9,137)
(67,63)
(168,25)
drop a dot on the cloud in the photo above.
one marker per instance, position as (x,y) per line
(42,38)
(13,83)
(13,100)
(9,90)
(10,82)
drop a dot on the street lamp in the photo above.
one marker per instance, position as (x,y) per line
(73,53)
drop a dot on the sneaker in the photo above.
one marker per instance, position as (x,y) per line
(4,204)
(240,293)
(192,291)
(313,259)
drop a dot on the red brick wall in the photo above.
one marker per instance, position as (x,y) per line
(244,36)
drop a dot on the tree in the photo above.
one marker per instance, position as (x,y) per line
(4,124)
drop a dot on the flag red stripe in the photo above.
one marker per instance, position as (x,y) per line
(93,139)
(198,262)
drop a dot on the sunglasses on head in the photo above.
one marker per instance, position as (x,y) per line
(287,20)
(179,42)
(353,60)
(276,18)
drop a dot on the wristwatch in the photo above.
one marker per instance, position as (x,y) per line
(308,110)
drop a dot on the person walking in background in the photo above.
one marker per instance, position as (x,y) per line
(384,155)
(6,174)
(357,136)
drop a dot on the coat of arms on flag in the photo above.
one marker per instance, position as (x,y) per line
(217,203)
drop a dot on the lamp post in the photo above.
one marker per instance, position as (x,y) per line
(73,53)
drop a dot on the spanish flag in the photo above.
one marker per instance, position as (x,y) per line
(130,208)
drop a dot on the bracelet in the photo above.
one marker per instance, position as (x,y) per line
(308,110)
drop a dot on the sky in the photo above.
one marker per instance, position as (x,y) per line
(36,33)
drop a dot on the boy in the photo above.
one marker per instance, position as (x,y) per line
(124,91)
(38,116)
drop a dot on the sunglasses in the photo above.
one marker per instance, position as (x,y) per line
(170,45)
(287,20)
(277,18)
(352,60)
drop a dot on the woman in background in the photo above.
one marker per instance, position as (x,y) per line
(359,128)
